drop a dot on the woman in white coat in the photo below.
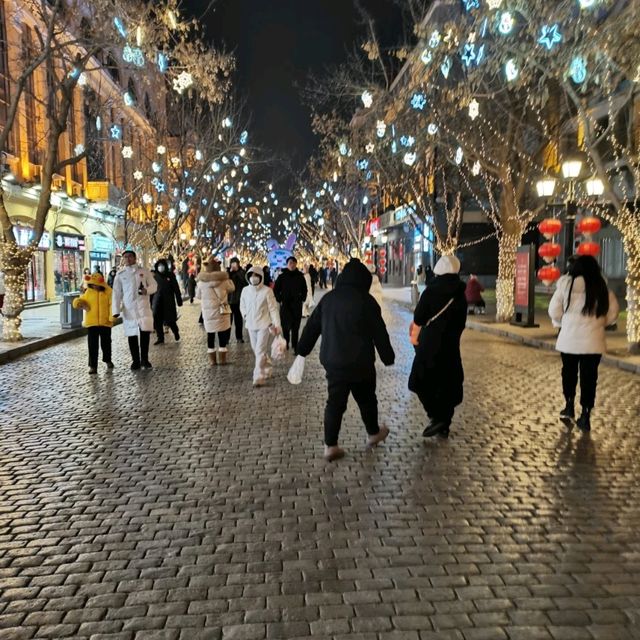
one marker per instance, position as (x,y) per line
(583,307)
(376,288)
(132,290)
(261,315)
(214,287)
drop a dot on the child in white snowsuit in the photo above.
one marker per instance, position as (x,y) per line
(259,309)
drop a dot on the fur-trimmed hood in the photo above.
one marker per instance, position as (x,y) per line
(213,276)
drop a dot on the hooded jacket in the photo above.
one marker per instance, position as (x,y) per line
(258,305)
(579,334)
(214,287)
(239,279)
(96,303)
(350,322)
(168,295)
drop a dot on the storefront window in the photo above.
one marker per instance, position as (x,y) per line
(34,286)
(68,262)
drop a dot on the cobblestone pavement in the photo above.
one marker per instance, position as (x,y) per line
(183,504)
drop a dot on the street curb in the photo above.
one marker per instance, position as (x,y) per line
(536,343)
(22,350)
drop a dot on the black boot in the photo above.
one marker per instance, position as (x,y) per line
(584,421)
(569,411)
(437,428)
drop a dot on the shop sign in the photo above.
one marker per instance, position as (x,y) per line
(25,234)
(102,244)
(68,241)
(99,255)
(372,226)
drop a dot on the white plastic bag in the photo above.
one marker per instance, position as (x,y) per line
(297,371)
(278,349)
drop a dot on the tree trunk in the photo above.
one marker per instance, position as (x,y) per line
(508,244)
(632,248)
(13,262)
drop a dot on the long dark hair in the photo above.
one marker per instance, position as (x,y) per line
(597,292)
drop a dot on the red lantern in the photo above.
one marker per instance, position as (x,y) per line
(549,251)
(588,249)
(588,226)
(548,275)
(550,227)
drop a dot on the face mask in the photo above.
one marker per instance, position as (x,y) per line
(255,280)
(161,268)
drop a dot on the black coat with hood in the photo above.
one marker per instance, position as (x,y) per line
(239,279)
(350,322)
(168,294)
(437,367)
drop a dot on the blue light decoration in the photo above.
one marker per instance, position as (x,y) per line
(343,149)
(74,73)
(418,101)
(119,25)
(550,36)
(363,164)
(236,161)
(394,147)
(505,23)
(369,175)
(445,67)
(480,55)
(468,54)
(244,136)
(215,167)
(245,169)
(128,99)
(161,187)
(190,191)
(426,57)
(434,39)
(469,5)
(115,132)
(133,55)
(484,27)
(163,62)
(205,202)
(407,141)
(578,69)
(156,166)
(98,123)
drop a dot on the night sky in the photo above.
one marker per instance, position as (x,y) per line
(276,44)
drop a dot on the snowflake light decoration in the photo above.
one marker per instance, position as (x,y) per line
(367,98)
(343,149)
(578,69)
(182,82)
(494,4)
(198,155)
(418,101)
(475,170)
(133,55)
(474,109)
(215,167)
(409,158)
(226,123)
(175,162)
(434,39)
(407,141)
(190,191)
(183,206)
(471,4)
(381,128)
(159,208)
(127,152)
(550,36)
(506,23)
(147,198)
(171,213)
(426,56)
(138,175)
(511,70)
(245,169)
(432,129)
(115,132)
(156,167)
(244,136)
(161,150)
(78,149)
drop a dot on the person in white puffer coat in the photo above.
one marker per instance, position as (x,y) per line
(583,307)
(261,315)
(132,288)
(214,287)
(376,287)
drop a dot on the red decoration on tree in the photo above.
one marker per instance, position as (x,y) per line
(548,275)
(588,226)
(550,227)
(549,251)
(588,249)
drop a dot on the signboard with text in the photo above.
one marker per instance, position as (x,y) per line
(524,294)
(24,235)
(68,241)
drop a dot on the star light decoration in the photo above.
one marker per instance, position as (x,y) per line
(159,208)
(370,148)
(418,101)
(161,150)
(127,152)
(115,132)
(190,191)
(474,109)
(468,54)
(182,82)
(147,198)
(550,36)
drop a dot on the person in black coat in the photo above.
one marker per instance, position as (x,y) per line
(165,299)
(291,292)
(313,274)
(239,278)
(350,322)
(437,375)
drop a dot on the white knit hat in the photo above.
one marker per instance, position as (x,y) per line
(447,264)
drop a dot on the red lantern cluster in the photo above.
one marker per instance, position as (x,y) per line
(549,251)
(550,227)
(548,274)
(588,249)
(587,226)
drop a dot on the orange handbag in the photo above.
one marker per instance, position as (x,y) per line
(414,333)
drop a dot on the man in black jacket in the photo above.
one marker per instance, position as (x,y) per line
(352,329)
(291,292)
(239,278)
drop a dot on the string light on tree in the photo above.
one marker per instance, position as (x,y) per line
(474,109)
(182,82)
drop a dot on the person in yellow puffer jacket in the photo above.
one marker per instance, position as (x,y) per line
(96,303)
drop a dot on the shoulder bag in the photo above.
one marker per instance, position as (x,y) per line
(224,308)
(415,329)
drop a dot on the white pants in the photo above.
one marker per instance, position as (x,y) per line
(260,345)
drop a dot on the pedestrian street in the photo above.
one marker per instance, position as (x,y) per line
(183,503)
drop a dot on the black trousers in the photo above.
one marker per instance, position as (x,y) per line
(223,339)
(437,406)
(587,365)
(158,325)
(290,318)
(236,319)
(99,337)
(364,393)
(140,349)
